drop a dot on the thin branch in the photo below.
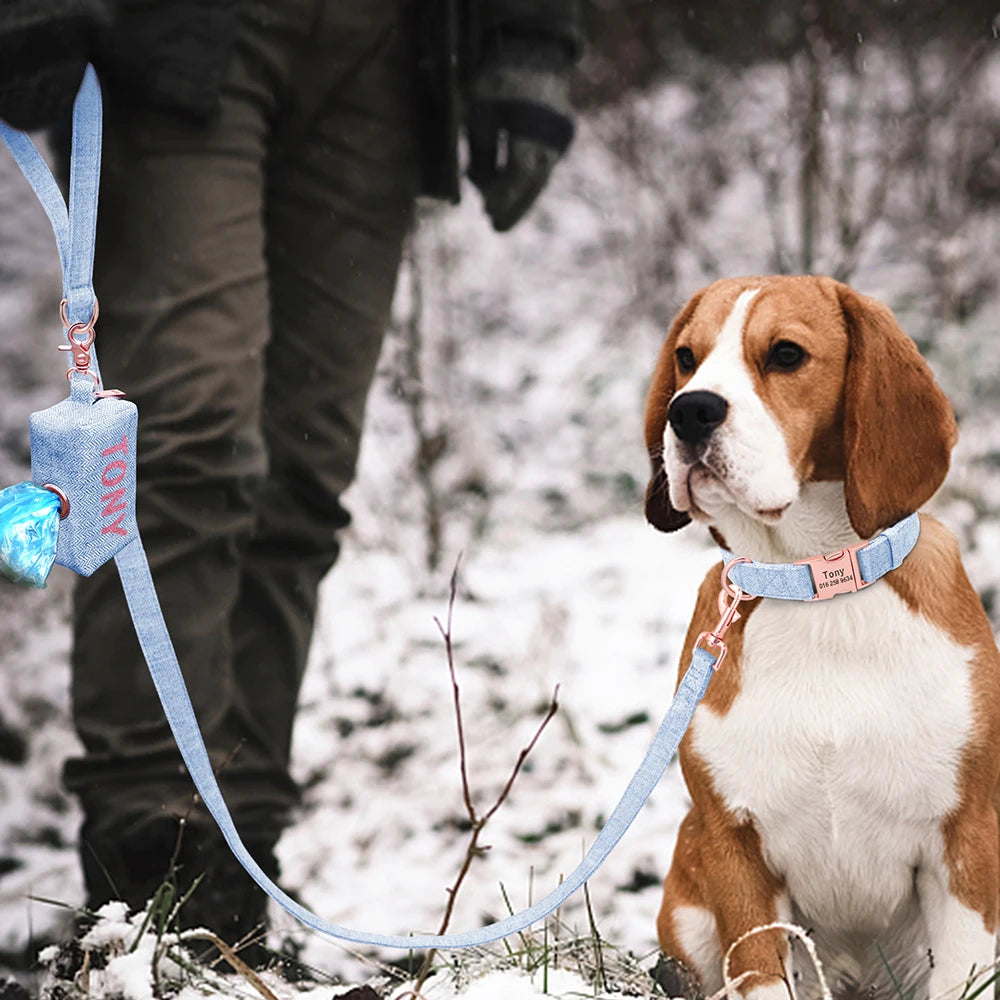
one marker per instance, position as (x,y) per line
(472,849)
(596,939)
(450,651)
(553,708)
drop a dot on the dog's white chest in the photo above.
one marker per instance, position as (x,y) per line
(843,747)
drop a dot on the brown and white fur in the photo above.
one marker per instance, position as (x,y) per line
(843,767)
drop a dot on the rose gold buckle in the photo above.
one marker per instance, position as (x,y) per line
(837,573)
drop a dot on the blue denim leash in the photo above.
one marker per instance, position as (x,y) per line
(86,445)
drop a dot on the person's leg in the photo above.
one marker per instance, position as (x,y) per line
(181,278)
(339,203)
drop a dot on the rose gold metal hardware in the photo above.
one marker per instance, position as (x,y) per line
(727,615)
(70,372)
(727,587)
(81,339)
(837,573)
(63,499)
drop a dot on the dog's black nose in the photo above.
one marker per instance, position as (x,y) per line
(694,415)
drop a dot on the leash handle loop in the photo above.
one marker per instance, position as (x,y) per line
(75,228)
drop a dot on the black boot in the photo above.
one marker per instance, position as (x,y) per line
(164,858)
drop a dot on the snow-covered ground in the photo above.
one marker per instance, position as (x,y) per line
(535,351)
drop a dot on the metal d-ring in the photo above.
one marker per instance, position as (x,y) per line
(726,585)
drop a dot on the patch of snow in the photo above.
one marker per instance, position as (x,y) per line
(513,984)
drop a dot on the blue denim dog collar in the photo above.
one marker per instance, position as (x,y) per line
(820,577)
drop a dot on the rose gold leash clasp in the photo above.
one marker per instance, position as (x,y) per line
(81,339)
(728,612)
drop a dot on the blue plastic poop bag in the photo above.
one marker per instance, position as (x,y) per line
(29,528)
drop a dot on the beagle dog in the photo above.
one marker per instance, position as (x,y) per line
(843,766)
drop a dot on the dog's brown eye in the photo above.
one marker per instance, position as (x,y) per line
(685,359)
(785,356)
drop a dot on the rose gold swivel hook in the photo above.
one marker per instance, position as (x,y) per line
(81,339)
(728,612)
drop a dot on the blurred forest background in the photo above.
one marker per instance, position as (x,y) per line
(857,139)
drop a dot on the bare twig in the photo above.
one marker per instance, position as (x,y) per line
(477,821)
(596,939)
(450,653)
(523,756)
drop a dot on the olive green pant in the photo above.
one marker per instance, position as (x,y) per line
(245,271)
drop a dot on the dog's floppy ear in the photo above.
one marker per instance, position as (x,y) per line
(659,511)
(899,427)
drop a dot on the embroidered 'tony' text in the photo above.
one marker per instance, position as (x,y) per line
(114,501)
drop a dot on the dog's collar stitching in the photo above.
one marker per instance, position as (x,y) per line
(796,581)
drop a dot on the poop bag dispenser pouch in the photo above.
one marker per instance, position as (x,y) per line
(85,446)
